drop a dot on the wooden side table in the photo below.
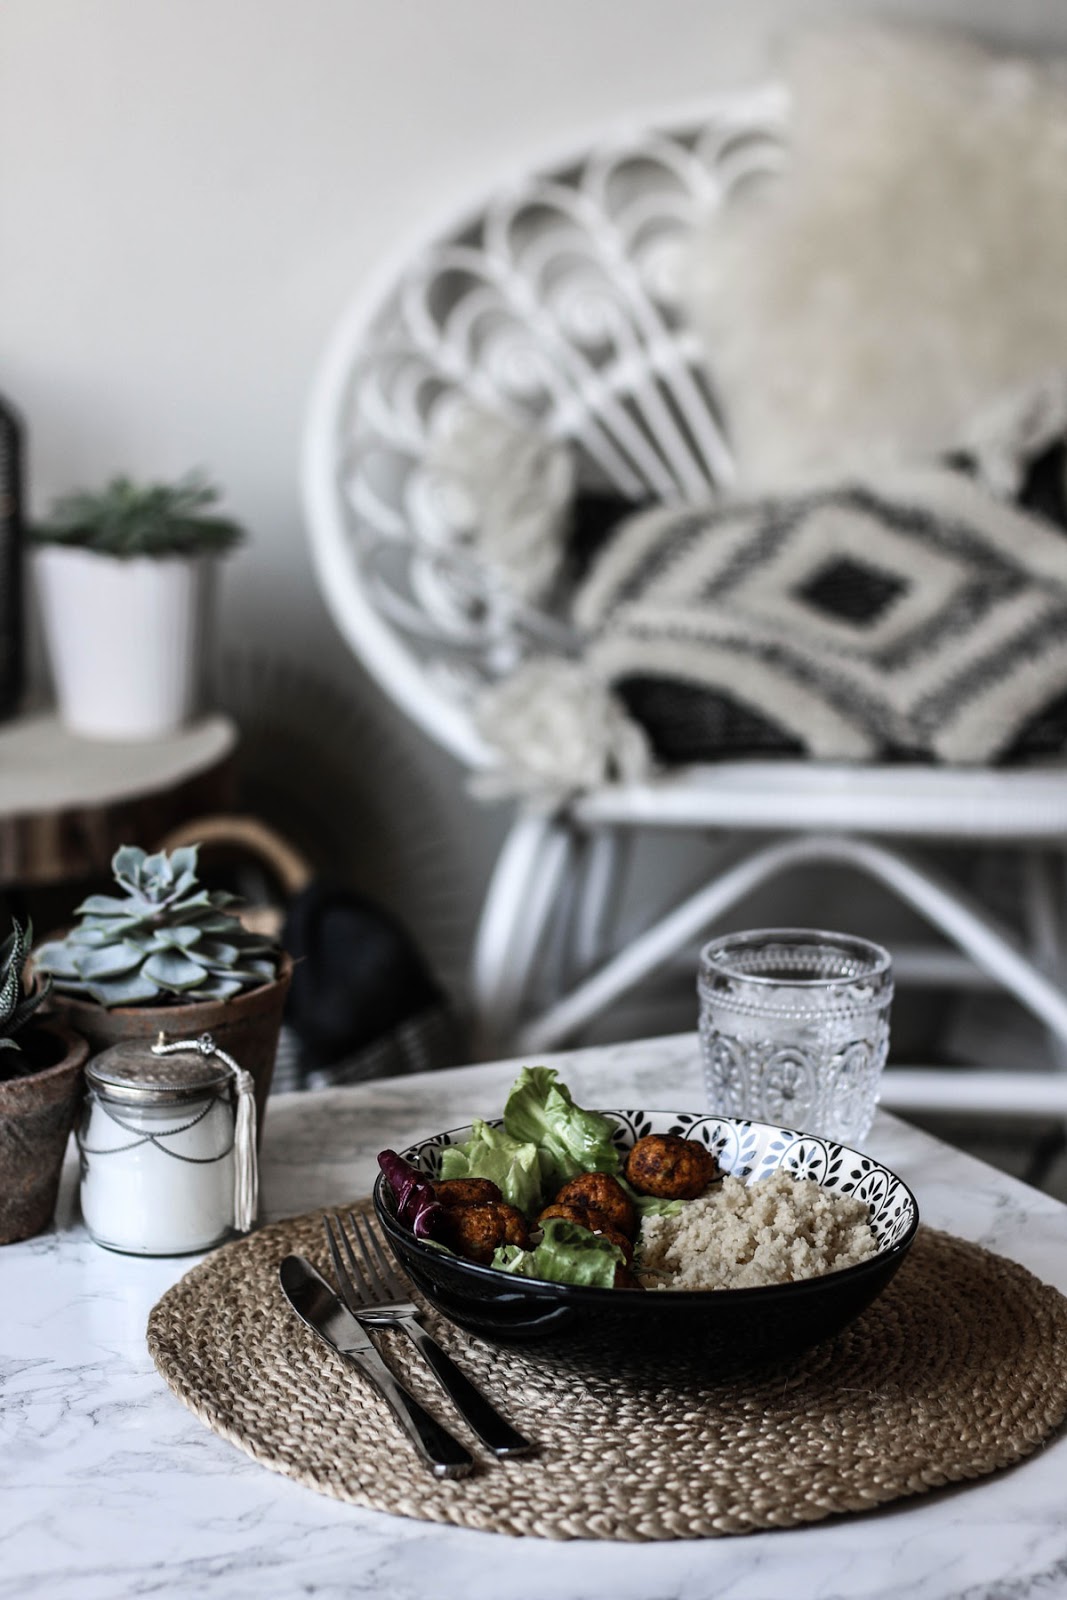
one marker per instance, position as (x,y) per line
(67,803)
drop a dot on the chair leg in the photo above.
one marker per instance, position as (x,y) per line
(606,854)
(653,947)
(1041,911)
(941,903)
(520,902)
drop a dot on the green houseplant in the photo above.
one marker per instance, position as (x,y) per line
(127,519)
(165,955)
(124,577)
(41,1065)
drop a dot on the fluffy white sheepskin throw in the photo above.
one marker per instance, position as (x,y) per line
(509,489)
(906,271)
(556,730)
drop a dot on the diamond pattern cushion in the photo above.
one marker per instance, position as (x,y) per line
(906,617)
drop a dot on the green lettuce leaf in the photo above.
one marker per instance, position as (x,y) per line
(514,1166)
(540,1111)
(648,1205)
(567,1253)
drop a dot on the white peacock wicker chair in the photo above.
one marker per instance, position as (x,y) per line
(554,299)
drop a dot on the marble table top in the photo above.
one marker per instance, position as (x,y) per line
(109,1488)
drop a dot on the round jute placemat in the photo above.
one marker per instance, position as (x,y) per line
(958,1369)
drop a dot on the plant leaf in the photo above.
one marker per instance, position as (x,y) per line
(184,859)
(222,923)
(214,953)
(108,961)
(219,989)
(127,864)
(14,956)
(25,1009)
(56,958)
(265,968)
(159,868)
(244,977)
(127,991)
(103,905)
(10,992)
(111,929)
(11,986)
(190,902)
(182,938)
(173,971)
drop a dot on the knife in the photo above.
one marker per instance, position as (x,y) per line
(319,1308)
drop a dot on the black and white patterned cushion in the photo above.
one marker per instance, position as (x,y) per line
(909,617)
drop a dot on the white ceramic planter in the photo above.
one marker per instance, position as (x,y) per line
(126,639)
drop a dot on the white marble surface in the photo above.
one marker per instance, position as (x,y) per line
(110,1488)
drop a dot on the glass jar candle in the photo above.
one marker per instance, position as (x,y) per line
(157,1147)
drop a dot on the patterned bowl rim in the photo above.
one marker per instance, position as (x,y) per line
(544,1288)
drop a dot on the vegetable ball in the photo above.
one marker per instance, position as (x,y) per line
(670,1168)
(600,1192)
(476,1231)
(467,1192)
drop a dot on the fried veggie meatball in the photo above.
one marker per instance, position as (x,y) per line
(475,1231)
(467,1192)
(613,1236)
(595,1221)
(600,1192)
(567,1213)
(670,1168)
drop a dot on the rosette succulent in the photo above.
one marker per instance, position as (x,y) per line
(16,1006)
(166,941)
(129,519)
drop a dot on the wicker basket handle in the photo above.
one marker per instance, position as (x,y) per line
(248,834)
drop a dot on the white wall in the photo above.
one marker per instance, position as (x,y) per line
(191,190)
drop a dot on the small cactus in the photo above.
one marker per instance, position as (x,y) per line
(16,1006)
(166,941)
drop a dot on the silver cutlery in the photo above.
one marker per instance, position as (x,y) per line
(316,1304)
(376,1295)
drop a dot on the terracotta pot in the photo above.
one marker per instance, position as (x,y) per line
(36,1116)
(246,1027)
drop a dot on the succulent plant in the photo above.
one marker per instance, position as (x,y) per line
(16,1006)
(166,941)
(130,519)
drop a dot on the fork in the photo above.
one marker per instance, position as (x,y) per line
(377,1297)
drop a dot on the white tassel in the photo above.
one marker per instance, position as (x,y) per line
(246,1168)
(245,1163)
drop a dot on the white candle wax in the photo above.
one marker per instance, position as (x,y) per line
(158,1180)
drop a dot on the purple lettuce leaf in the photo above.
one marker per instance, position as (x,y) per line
(416,1203)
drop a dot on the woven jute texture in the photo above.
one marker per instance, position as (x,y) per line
(958,1369)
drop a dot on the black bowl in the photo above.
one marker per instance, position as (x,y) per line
(732,1330)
